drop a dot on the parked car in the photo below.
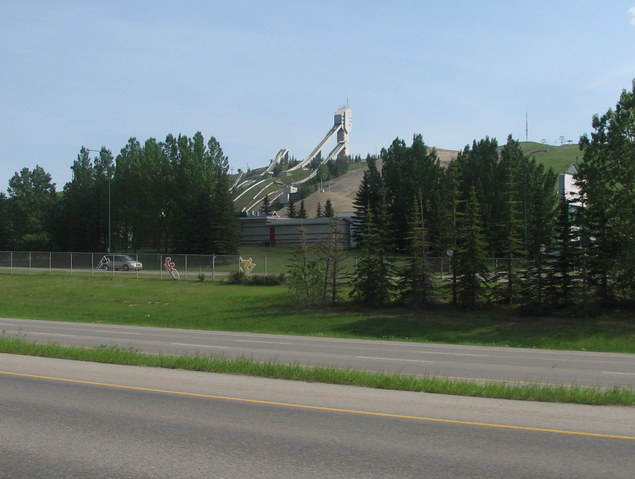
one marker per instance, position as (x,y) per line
(120,261)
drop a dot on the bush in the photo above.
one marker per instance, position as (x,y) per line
(255,280)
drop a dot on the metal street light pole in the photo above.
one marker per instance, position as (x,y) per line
(109,208)
(528,156)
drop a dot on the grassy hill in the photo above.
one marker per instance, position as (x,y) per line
(557,157)
(342,190)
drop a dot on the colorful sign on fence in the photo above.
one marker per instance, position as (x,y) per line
(169,266)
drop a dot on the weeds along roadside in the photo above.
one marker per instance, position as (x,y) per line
(275,370)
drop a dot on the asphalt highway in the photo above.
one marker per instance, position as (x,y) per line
(460,362)
(77,420)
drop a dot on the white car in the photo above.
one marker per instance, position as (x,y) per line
(120,261)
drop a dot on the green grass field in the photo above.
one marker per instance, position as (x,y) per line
(268,309)
(560,158)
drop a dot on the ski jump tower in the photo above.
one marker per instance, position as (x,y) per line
(342,125)
(255,187)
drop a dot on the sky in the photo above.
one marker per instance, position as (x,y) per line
(264,75)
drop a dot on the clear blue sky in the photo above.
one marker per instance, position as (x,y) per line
(263,75)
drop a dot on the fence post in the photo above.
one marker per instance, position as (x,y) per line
(71,263)
(185,266)
(92,264)
(30,263)
(213,267)
(265,265)
(50,267)
(11,262)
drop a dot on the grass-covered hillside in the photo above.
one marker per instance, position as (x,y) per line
(557,157)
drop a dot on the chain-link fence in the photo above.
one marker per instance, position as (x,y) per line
(134,264)
(187,266)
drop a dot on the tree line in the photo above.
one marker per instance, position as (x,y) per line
(497,202)
(165,196)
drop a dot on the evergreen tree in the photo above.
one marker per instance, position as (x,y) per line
(410,173)
(367,198)
(479,167)
(318,212)
(329,212)
(225,234)
(373,282)
(415,286)
(31,205)
(472,270)
(302,211)
(607,175)
(291,209)
(560,268)
(5,238)
(265,209)
(512,246)
(450,218)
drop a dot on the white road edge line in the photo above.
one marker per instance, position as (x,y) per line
(200,345)
(455,354)
(52,334)
(395,359)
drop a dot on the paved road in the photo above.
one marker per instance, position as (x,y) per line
(77,420)
(471,362)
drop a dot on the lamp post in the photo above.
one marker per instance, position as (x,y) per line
(528,156)
(450,253)
(109,207)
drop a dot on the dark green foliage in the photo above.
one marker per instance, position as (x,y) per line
(302,211)
(265,209)
(373,279)
(511,245)
(479,167)
(471,261)
(4,224)
(415,284)
(239,277)
(31,207)
(607,175)
(560,264)
(367,198)
(410,173)
(291,213)
(329,212)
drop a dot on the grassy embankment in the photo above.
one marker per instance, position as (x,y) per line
(217,306)
(206,305)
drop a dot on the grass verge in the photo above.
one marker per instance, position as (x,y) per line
(270,309)
(275,370)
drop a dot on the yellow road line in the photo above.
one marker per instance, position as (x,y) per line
(321,408)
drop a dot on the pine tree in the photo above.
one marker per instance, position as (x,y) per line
(318,212)
(449,219)
(510,221)
(329,212)
(415,286)
(560,268)
(302,211)
(373,282)
(265,209)
(367,198)
(291,209)
(607,176)
(472,271)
